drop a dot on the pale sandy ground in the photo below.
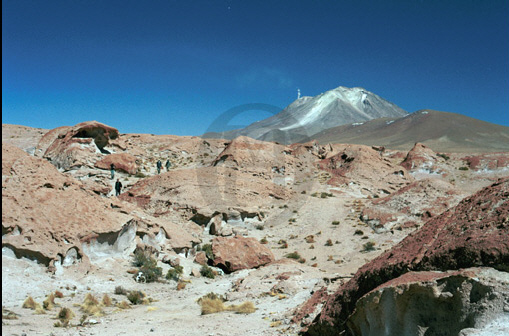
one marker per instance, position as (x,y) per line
(177,312)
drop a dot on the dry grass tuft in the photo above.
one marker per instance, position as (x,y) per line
(29,303)
(181,285)
(211,305)
(65,315)
(106,301)
(49,303)
(91,306)
(39,310)
(124,305)
(8,315)
(244,308)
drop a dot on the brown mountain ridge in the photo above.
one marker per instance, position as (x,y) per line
(441,131)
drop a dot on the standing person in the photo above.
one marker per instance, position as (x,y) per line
(112,170)
(159,165)
(168,165)
(118,187)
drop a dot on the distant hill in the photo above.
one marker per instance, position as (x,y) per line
(309,115)
(441,131)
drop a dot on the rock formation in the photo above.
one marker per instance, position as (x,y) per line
(68,143)
(53,219)
(411,205)
(237,253)
(366,168)
(472,234)
(420,157)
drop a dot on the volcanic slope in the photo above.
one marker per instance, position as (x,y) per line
(441,131)
(309,115)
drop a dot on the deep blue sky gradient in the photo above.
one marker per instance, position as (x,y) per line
(174,67)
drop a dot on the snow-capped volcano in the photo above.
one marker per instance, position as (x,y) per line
(309,115)
(339,106)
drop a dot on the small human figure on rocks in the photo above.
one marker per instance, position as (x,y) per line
(159,165)
(168,165)
(112,170)
(118,187)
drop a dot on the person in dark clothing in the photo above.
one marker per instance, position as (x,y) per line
(168,165)
(118,187)
(112,170)
(159,165)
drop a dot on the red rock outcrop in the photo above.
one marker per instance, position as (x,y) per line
(237,253)
(70,144)
(204,192)
(490,161)
(420,157)
(267,160)
(472,234)
(22,137)
(122,161)
(54,219)
(365,166)
(442,303)
(416,202)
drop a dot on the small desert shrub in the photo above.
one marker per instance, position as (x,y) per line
(329,242)
(244,308)
(463,168)
(65,315)
(107,301)
(139,174)
(292,220)
(325,195)
(213,303)
(148,265)
(210,306)
(335,223)
(293,255)
(358,232)
(91,306)
(59,294)
(181,285)
(136,297)
(310,239)
(207,272)
(119,290)
(207,248)
(175,273)
(39,310)
(30,303)
(123,305)
(443,156)
(263,240)
(260,227)
(369,246)
(49,303)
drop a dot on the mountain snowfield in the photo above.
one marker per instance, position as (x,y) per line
(309,115)
(341,104)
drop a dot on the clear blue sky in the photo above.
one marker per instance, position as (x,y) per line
(173,67)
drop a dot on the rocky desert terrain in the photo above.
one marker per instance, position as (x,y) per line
(309,238)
